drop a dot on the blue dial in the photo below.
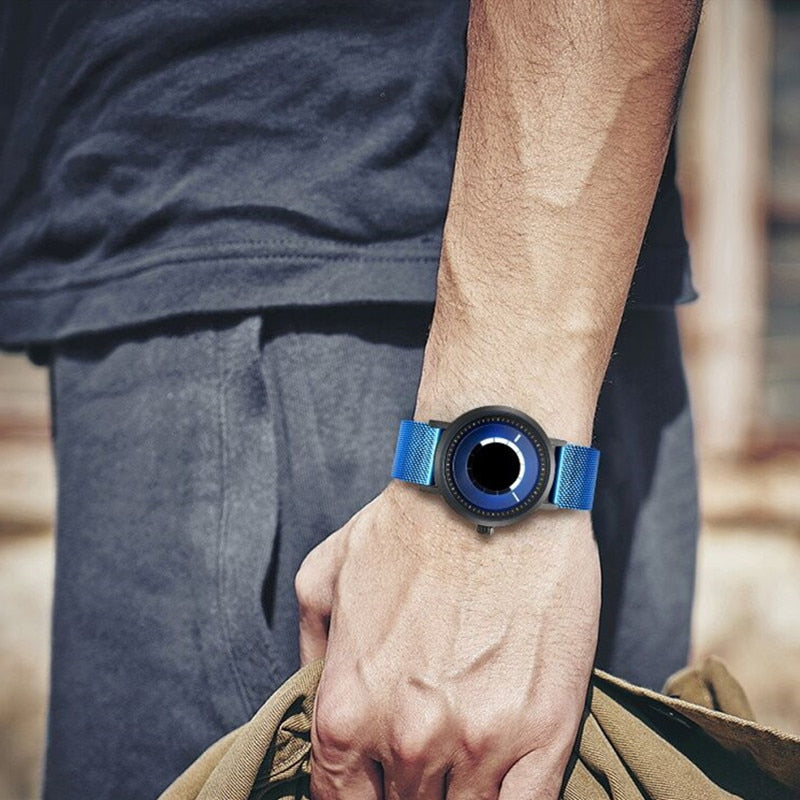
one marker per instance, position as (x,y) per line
(495,466)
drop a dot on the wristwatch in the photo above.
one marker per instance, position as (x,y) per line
(495,465)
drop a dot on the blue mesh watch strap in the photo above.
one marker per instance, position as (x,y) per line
(575,477)
(413,455)
(574,473)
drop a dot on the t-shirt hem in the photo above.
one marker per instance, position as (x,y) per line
(242,283)
(216,285)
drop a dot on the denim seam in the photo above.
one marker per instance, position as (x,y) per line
(270,412)
(222,528)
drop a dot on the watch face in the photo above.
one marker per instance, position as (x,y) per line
(494,465)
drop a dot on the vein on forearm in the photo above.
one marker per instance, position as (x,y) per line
(568,110)
(551,106)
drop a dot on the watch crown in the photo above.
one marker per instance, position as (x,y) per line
(485,529)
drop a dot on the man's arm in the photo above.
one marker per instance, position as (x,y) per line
(456,666)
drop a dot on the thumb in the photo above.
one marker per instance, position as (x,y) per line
(313,586)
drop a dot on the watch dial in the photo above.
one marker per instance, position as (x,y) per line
(495,465)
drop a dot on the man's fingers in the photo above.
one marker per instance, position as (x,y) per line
(313,586)
(359,780)
(339,769)
(469,784)
(313,636)
(536,776)
(314,589)
(404,781)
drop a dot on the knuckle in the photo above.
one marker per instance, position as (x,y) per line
(337,725)
(410,744)
(480,736)
(548,722)
(477,741)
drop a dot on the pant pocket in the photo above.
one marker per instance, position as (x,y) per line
(248,513)
(167,513)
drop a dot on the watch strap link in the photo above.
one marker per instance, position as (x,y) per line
(575,477)
(575,469)
(413,455)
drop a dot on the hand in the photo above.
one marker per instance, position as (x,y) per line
(456,665)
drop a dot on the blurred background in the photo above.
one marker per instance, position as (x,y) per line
(739,162)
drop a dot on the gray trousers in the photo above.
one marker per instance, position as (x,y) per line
(200,459)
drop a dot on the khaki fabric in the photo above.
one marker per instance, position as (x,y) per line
(697,741)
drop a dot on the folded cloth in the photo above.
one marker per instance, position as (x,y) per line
(696,741)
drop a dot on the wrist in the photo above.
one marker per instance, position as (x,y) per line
(488,355)
(434,533)
(559,417)
(451,384)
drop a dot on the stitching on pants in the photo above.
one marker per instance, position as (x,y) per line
(222,525)
(261,354)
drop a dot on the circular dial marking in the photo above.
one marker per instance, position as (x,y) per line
(496,465)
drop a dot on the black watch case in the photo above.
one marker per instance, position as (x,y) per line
(446,484)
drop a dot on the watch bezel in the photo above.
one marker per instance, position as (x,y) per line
(443,458)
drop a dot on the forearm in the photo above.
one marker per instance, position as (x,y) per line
(567,116)
(422,621)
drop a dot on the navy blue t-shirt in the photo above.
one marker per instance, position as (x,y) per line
(163,157)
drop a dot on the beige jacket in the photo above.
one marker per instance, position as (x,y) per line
(697,741)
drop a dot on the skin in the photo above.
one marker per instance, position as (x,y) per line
(457,665)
